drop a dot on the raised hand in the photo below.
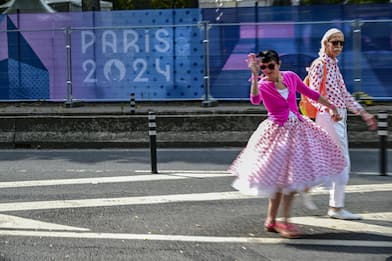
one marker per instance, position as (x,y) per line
(253,64)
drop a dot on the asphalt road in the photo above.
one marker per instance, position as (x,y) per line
(106,205)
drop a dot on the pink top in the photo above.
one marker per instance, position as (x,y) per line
(336,89)
(278,107)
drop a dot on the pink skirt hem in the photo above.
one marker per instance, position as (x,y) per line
(289,158)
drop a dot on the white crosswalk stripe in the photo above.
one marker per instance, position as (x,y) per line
(118,179)
(161,199)
(199,239)
(7,222)
(15,226)
(352,225)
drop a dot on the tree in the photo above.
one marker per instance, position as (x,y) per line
(91,5)
(315,2)
(153,4)
(163,4)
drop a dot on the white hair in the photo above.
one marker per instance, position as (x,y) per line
(325,38)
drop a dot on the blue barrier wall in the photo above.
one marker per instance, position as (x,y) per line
(158,54)
(295,32)
(136,55)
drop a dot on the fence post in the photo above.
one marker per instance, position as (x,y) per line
(383,133)
(207,102)
(357,54)
(152,132)
(68,102)
(132,103)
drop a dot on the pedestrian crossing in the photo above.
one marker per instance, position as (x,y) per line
(170,175)
(12,225)
(198,239)
(161,199)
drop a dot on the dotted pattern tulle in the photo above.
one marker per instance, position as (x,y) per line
(286,158)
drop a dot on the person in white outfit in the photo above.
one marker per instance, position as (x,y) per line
(331,46)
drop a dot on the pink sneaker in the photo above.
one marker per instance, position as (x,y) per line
(287,230)
(270,226)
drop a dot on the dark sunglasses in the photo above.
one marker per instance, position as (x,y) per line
(270,66)
(336,43)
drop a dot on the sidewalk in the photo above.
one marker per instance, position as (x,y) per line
(172,107)
(179,124)
(124,108)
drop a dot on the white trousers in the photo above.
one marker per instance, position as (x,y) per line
(338,132)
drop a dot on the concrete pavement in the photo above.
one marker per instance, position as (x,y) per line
(106,205)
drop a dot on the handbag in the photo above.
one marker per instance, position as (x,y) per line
(305,105)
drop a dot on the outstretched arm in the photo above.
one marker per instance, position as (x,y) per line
(334,111)
(356,108)
(305,90)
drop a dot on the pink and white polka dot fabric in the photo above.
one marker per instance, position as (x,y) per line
(337,92)
(286,158)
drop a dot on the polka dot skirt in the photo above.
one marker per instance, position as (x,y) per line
(286,158)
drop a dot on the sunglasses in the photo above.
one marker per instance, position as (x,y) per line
(270,66)
(336,43)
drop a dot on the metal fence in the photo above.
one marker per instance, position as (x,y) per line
(365,61)
(180,57)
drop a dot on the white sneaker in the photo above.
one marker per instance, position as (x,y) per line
(343,214)
(308,202)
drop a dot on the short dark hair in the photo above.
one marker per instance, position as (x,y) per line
(268,55)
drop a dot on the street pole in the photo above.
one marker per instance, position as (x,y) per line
(132,103)
(152,132)
(383,133)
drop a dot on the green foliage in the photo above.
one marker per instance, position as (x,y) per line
(153,4)
(316,2)
(162,4)
(123,4)
(168,4)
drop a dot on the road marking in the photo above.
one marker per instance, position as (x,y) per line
(163,175)
(153,177)
(369,173)
(102,202)
(184,171)
(224,171)
(12,222)
(358,188)
(7,221)
(200,239)
(161,199)
(381,216)
(359,226)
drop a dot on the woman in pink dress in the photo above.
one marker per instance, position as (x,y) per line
(287,153)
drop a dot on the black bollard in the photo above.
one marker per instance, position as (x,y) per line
(383,134)
(152,132)
(132,103)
